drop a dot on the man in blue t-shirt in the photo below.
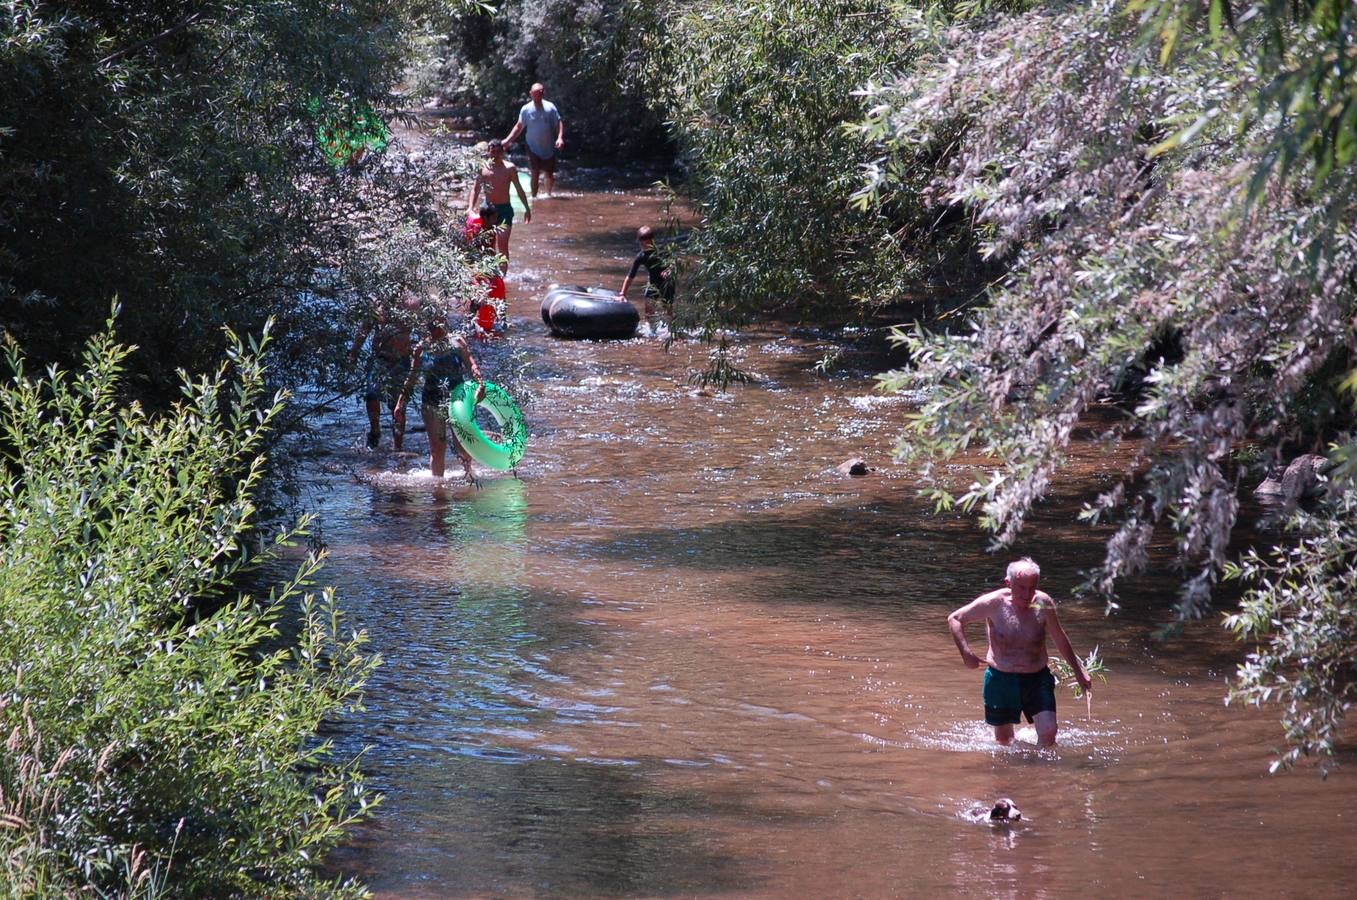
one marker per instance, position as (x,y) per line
(543,132)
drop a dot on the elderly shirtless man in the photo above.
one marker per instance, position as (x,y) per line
(1018,618)
(496,177)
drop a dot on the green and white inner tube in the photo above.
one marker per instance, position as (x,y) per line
(502,453)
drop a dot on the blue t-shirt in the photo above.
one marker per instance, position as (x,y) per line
(540,127)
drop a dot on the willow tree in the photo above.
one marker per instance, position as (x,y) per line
(1176,220)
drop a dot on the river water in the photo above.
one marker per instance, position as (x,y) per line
(679,655)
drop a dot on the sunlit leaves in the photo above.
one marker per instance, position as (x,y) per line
(757,96)
(1300,616)
(1306,64)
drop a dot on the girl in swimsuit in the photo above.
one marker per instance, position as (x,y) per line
(444,359)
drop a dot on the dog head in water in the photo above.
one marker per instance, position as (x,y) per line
(1004,811)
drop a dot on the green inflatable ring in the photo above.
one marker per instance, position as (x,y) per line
(346,132)
(502,454)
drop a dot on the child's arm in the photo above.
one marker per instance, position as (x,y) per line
(358,341)
(470,362)
(518,186)
(410,379)
(626,282)
(475,194)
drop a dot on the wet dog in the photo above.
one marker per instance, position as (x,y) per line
(1004,811)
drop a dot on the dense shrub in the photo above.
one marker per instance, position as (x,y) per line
(161,728)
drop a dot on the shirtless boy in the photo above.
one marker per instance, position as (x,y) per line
(496,176)
(1018,618)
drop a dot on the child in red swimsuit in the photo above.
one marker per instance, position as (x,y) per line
(479,234)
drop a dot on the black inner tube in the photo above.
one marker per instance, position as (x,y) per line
(588,313)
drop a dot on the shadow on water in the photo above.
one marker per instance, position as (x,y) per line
(568,829)
(810,548)
(468,667)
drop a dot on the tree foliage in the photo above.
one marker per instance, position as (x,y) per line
(756,96)
(1300,615)
(1179,245)
(161,728)
(1306,63)
(166,153)
(586,53)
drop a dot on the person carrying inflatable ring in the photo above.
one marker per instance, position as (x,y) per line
(445,361)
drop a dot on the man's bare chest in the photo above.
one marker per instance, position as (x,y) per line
(1014,627)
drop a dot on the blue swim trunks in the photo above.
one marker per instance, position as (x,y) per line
(1011,695)
(506,213)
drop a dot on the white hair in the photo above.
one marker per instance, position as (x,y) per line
(1023,568)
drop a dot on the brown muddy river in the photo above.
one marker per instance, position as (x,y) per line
(679,656)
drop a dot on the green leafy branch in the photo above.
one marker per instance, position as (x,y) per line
(1093,668)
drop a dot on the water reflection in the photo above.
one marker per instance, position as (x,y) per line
(467,642)
(486,531)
